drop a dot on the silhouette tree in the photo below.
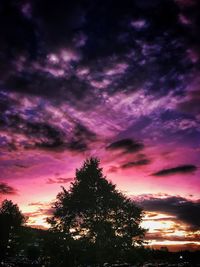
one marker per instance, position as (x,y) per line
(104,222)
(10,221)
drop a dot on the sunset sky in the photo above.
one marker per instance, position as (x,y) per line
(118,81)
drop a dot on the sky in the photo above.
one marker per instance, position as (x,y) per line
(117,80)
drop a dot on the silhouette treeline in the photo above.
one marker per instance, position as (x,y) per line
(92,224)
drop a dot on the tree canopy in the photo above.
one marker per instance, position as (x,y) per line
(11,219)
(95,213)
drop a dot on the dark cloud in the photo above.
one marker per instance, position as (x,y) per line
(188,168)
(81,138)
(44,84)
(44,135)
(185,210)
(126,145)
(59,180)
(131,164)
(39,134)
(5,103)
(51,138)
(26,29)
(32,32)
(6,189)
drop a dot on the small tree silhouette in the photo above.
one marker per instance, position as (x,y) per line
(97,216)
(10,221)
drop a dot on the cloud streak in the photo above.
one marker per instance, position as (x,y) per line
(6,189)
(181,169)
(126,145)
(59,180)
(131,164)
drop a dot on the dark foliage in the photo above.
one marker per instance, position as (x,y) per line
(95,219)
(11,219)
